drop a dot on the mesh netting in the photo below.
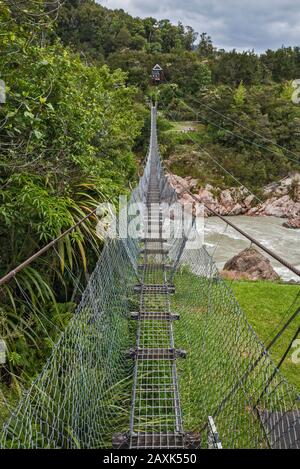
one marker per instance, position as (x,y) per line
(157,354)
(76,400)
(227,372)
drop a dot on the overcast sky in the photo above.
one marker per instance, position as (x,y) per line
(240,24)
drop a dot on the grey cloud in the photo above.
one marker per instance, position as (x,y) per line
(237,24)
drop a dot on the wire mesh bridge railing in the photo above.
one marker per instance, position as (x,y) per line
(158,355)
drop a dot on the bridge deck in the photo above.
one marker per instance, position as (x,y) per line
(156,420)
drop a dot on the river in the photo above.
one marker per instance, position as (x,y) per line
(224,243)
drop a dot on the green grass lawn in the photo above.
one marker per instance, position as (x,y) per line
(266,305)
(221,350)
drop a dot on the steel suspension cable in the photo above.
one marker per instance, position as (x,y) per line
(46,248)
(242,232)
(253,241)
(228,222)
(249,130)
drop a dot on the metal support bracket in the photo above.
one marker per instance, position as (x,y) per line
(154,316)
(120,441)
(155,354)
(154,289)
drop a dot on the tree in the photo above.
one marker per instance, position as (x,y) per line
(190,37)
(283,63)
(205,47)
(233,67)
(240,95)
(138,42)
(123,38)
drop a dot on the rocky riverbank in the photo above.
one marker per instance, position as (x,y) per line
(280,199)
(249,265)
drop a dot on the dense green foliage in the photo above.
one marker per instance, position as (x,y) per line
(67,132)
(255,116)
(99,31)
(248,134)
(76,123)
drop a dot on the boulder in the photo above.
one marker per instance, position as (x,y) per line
(181,184)
(293,223)
(226,199)
(283,207)
(282,187)
(249,201)
(236,210)
(251,265)
(206,196)
(282,198)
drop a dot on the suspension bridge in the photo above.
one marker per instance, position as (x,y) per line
(159,354)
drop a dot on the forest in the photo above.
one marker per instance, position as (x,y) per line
(243,101)
(74,131)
